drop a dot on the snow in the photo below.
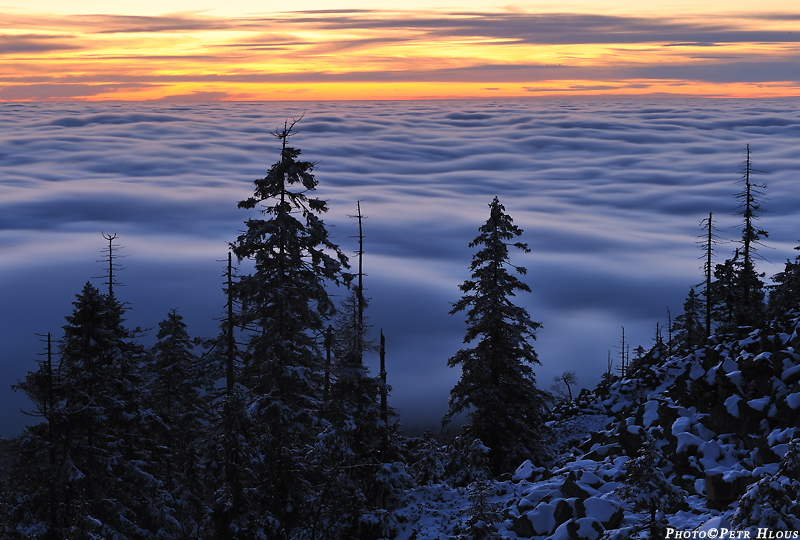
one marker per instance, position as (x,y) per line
(525,471)
(696,372)
(791,372)
(780,449)
(600,509)
(729,365)
(700,485)
(686,441)
(713,525)
(542,518)
(759,404)
(735,377)
(682,425)
(650,413)
(588,528)
(716,457)
(793,400)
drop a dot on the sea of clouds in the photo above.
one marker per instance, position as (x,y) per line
(610,194)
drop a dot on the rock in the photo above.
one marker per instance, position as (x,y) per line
(542,520)
(667,414)
(571,489)
(564,512)
(523,527)
(720,420)
(527,471)
(791,375)
(585,529)
(607,513)
(630,438)
(722,492)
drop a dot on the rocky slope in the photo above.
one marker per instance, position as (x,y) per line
(698,444)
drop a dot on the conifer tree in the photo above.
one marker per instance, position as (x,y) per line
(750,306)
(175,398)
(230,462)
(354,407)
(648,488)
(772,503)
(497,388)
(347,455)
(98,438)
(725,291)
(708,240)
(688,327)
(285,306)
(39,472)
(784,294)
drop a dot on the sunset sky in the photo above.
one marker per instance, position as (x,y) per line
(319,49)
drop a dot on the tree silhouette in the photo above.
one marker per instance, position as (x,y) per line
(751,304)
(285,307)
(498,386)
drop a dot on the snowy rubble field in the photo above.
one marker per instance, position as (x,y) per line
(721,418)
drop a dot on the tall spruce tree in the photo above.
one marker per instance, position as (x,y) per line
(738,292)
(784,293)
(688,327)
(37,478)
(98,483)
(708,240)
(497,388)
(285,306)
(175,385)
(750,307)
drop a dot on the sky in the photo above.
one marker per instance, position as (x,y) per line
(243,50)
(609,192)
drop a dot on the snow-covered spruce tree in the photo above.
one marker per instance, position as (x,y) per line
(101,444)
(348,454)
(468,462)
(497,386)
(353,406)
(750,307)
(175,399)
(429,461)
(284,309)
(648,489)
(725,292)
(784,294)
(229,460)
(483,515)
(344,460)
(469,467)
(773,502)
(688,327)
(34,500)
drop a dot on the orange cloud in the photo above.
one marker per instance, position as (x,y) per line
(364,54)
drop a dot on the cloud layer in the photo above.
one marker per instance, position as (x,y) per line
(610,194)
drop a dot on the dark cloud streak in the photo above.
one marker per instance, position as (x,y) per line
(36,43)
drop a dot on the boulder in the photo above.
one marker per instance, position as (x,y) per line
(564,512)
(571,489)
(585,529)
(721,491)
(523,527)
(720,420)
(607,513)
(630,438)
(542,519)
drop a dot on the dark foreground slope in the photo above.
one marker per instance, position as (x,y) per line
(698,445)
